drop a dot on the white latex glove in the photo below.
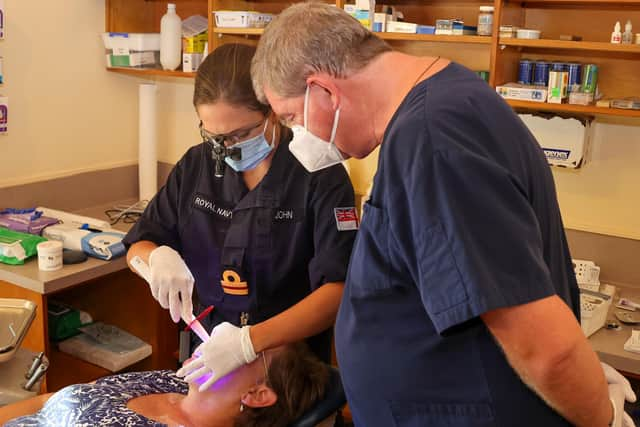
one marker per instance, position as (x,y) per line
(619,391)
(171,282)
(228,348)
(615,377)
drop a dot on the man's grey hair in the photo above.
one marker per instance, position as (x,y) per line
(308,38)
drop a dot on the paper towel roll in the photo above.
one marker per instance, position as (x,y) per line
(147,142)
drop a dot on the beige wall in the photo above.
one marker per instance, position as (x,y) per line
(66,113)
(604,196)
(178,121)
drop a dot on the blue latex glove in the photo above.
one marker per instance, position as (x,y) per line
(228,348)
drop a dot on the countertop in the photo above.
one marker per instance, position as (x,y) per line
(609,343)
(30,277)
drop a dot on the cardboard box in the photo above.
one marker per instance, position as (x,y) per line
(558,87)
(565,142)
(191,62)
(194,44)
(363,5)
(402,27)
(139,50)
(522,92)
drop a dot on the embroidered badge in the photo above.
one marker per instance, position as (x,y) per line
(232,284)
(346,218)
(211,207)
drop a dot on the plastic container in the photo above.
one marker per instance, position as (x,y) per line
(443,27)
(508,31)
(528,34)
(50,255)
(616,35)
(485,21)
(138,50)
(170,39)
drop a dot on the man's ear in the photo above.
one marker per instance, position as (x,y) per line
(327,83)
(259,396)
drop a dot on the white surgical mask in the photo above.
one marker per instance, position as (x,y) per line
(313,152)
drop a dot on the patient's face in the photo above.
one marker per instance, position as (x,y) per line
(239,380)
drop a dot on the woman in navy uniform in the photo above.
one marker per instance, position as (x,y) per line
(265,242)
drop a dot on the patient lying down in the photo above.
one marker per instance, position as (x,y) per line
(274,390)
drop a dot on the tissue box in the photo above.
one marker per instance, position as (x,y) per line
(138,50)
(565,142)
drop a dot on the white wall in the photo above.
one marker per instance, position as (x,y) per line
(604,196)
(178,121)
(67,114)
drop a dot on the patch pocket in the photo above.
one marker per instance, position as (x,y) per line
(419,414)
(369,267)
(441,284)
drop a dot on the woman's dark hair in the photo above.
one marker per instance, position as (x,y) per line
(225,75)
(299,379)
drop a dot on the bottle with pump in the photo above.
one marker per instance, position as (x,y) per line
(627,36)
(616,36)
(170,39)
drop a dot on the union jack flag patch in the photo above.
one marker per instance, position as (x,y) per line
(346,219)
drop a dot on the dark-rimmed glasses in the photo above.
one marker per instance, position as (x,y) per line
(229,139)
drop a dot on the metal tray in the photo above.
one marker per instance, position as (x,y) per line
(16,316)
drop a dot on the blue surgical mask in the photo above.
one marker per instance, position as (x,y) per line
(252,151)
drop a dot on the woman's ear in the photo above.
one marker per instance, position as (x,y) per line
(259,396)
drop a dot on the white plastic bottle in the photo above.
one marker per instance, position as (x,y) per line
(170,39)
(627,36)
(616,36)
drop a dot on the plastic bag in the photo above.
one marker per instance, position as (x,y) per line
(15,247)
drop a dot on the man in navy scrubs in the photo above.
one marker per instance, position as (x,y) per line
(460,306)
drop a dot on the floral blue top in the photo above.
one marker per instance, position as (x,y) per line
(103,403)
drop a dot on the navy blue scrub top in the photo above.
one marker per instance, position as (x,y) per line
(463,219)
(253,254)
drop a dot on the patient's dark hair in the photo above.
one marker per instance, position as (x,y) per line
(225,75)
(299,379)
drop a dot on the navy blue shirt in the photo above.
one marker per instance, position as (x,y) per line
(281,239)
(463,219)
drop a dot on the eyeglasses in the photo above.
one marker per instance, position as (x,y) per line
(230,138)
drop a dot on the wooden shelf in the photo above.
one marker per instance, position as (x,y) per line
(147,72)
(239,31)
(435,38)
(384,36)
(573,45)
(573,109)
(608,3)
